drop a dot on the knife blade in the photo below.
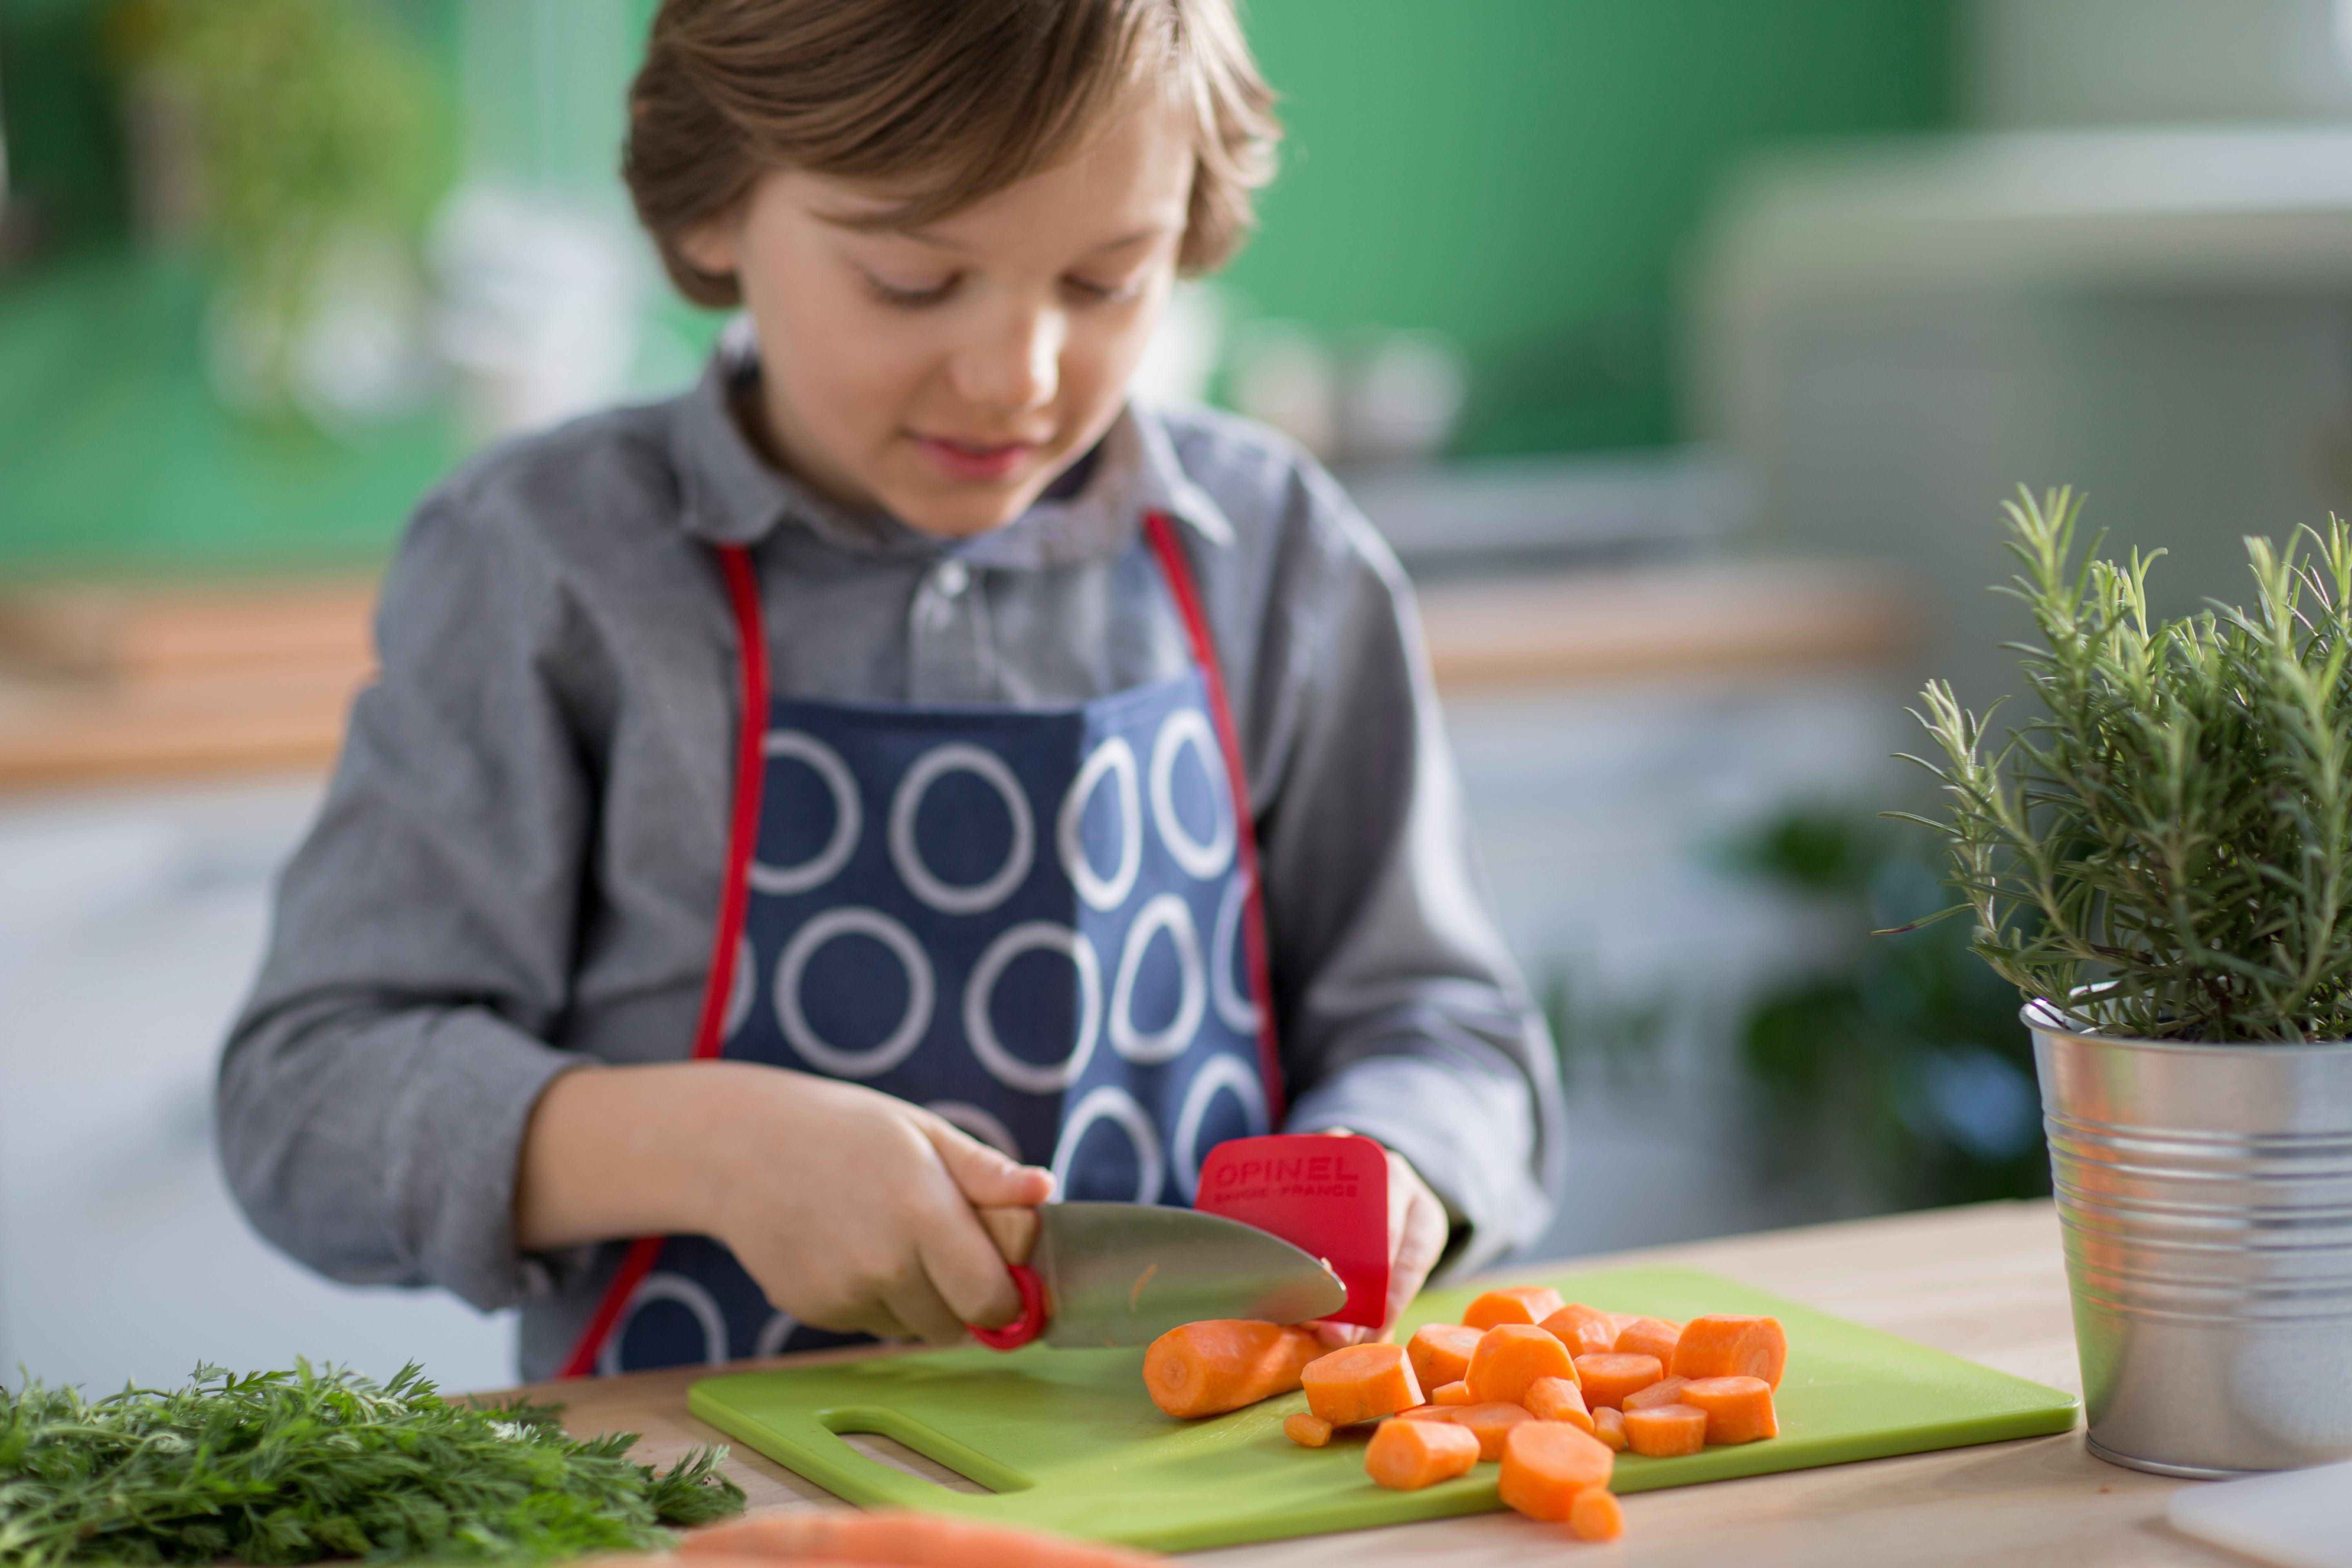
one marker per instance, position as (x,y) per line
(1124,1274)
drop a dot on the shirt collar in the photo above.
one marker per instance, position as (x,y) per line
(733,495)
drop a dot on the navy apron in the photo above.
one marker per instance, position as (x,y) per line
(1042,924)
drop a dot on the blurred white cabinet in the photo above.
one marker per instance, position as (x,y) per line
(130,927)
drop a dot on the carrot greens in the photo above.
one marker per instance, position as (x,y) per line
(293,1467)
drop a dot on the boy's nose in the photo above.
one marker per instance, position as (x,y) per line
(1018,368)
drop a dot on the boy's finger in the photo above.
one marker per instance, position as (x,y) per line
(915,1302)
(984,1175)
(963,1269)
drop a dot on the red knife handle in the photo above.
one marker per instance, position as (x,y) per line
(1032,1320)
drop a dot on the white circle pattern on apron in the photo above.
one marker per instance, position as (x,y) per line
(948,898)
(1238,1010)
(1116,758)
(664,1286)
(971,1119)
(1190,726)
(774,1333)
(980,1029)
(1218,1072)
(1110,1103)
(854,920)
(1167,912)
(848,817)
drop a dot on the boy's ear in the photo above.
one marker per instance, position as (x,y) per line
(712,246)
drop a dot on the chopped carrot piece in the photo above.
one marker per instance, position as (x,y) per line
(1724,1345)
(1667,1431)
(1361,1383)
(1596,1515)
(1454,1393)
(1650,1336)
(1490,1424)
(1620,1322)
(1307,1431)
(1665,1391)
(1547,1463)
(846,1535)
(1585,1330)
(1609,1426)
(1420,1413)
(1222,1364)
(1440,1352)
(1514,1304)
(1557,1399)
(1739,1409)
(1405,1455)
(1509,1357)
(1608,1379)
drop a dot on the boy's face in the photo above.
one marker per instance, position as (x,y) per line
(946,374)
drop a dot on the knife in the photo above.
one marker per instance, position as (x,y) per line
(1094,1274)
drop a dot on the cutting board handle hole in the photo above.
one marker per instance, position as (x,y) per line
(889,1438)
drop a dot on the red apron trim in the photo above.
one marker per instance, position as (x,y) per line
(743,599)
(1178,570)
(734,897)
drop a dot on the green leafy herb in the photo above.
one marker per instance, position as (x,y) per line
(2166,851)
(293,1467)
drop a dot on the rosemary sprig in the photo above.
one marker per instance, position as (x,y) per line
(293,1467)
(2166,850)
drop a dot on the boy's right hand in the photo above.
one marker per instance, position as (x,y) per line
(853,1209)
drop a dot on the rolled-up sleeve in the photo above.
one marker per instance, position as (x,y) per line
(1404,1017)
(373,1097)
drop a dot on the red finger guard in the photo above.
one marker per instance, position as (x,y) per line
(1029,1324)
(1327,1196)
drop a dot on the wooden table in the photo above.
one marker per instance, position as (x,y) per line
(1985,1282)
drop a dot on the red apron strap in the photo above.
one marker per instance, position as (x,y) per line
(734,895)
(1178,569)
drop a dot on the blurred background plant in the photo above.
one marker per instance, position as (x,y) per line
(301,143)
(1898,1075)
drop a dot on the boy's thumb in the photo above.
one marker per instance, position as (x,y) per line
(986,1177)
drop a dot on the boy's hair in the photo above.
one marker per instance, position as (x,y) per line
(950,100)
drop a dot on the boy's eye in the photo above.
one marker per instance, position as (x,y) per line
(1087,289)
(909,296)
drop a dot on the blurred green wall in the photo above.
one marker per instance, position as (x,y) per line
(1523,174)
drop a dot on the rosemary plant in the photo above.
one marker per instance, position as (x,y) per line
(293,1467)
(2166,850)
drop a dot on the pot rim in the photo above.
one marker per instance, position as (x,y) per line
(2043,1017)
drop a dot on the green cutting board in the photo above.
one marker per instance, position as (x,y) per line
(1067,1440)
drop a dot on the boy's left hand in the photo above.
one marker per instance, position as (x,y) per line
(1417,1233)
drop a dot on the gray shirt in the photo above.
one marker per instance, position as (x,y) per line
(516,868)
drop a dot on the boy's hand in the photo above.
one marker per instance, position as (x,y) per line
(853,1210)
(1417,1233)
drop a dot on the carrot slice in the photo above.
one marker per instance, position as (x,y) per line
(1509,1357)
(1585,1330)
(1514,1304)
(1307,1431)
(1405,1455)
(842,1535)
(1490,1424)
(1454,1393)
(1440,1352)
(1222,1364)
(1557,1399)
(1595,1515)
(1361,1383)
(1608,1379)
(1739,1409)
(1725,1344)
(1547,1463)
(1609,1426)
(1667,1431)
(1650,1336)
(1665,1391)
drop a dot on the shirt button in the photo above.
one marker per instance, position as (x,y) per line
(951,579)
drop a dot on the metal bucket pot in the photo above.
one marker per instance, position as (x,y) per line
(2206,1193)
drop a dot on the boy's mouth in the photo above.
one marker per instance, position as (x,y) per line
(975,459)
